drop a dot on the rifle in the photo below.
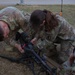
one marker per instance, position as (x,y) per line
(31,56)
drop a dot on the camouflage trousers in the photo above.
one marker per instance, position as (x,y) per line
(58,49)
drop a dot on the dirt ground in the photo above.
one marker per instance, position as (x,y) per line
(11,68)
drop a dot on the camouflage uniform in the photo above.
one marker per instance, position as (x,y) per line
(63,34)
(16,20)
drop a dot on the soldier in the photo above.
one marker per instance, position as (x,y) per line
(52,29)
(11,20)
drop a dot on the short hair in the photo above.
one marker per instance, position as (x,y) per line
(1,34)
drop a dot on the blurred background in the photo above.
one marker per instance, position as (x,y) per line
(35,2)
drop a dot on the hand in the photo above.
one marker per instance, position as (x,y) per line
(71,58)
(34,40)
(19,48)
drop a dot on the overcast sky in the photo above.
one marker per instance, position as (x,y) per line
(38,1)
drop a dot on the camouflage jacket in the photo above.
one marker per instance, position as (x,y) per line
(16,20)
(64,31)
